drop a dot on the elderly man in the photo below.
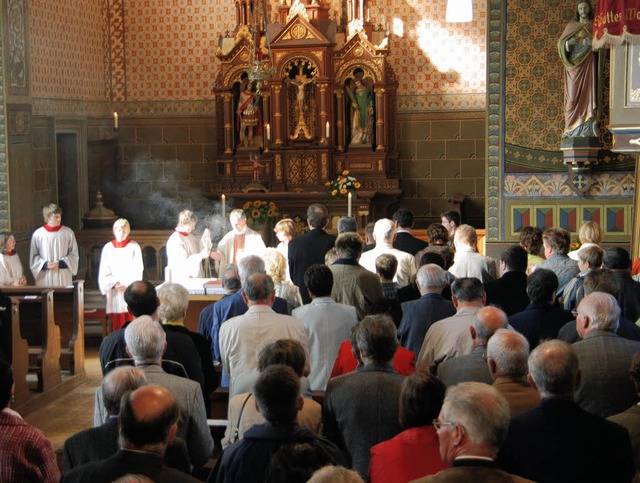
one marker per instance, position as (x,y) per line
(278,399)
(405,241)
(419,315)
(148,424)
(98,443)
(507,353)
(472,425)
(473,366)
(353,284)
(146,342)
(604,357)
(467,262)
(310,248)
(384,233)
(239,242)
(542,318)
(327,323)
(347,224)
(509,292)
(556,244)
(241,337)
(174,302)
(450,337)
(559,441)
(361,408)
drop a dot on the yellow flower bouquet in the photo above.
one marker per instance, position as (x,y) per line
(342,185)
(259,211)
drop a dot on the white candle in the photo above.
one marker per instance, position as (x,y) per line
(115,120)
(267,130)
(327,130)
(349,205)
(224,202)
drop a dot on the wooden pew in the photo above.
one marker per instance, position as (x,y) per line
(20,355)
(68,316)
(37,325)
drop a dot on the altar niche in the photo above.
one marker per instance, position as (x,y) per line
(306,98)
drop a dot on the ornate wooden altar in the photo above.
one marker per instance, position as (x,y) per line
(303,99)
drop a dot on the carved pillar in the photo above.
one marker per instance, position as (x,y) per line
(340,121)
(323,112)
(228,123)
(266,119)
(277,116)
(380,118)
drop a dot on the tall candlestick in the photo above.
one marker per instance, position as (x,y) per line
(327,130)
(224,203)
(349,205)
(115,120)
(267,130)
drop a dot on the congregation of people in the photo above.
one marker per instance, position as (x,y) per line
(387,358)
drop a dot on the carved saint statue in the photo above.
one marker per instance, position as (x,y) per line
(248,112)
(580,83)
(361,99)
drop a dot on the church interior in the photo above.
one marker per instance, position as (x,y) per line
(141,109)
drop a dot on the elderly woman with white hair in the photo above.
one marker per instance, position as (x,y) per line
(11,272)
(120,265)
(185,251)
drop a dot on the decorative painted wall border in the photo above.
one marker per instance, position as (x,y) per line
(605,185)
(615,218)
(61,107)
(5,216)
(441,102)
(554,160)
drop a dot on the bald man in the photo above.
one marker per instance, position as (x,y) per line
(148,424)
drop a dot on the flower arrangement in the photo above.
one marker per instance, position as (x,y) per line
(342,185)
(259,211)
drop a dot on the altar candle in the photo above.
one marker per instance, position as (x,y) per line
(349,205)
(224,203)
(326,130)
(267,129)
(115,120)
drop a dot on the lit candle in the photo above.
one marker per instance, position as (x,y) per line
(268,131)
(349,205)
(326,130)
(224,202)
(115,120)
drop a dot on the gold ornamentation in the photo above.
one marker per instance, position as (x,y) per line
(278,162)
(298,31)
(324,167)
(358,51)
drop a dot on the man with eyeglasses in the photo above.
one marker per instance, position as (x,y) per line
(471,426)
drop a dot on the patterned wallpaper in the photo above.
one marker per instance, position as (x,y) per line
(67,55)
(4,166)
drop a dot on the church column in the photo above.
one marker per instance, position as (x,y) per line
(266,119)
(323,111)
(340,121)
(277,116)
(380,118)
(228,123)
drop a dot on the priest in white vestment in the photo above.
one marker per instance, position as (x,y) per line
(120,265)
(185,251)
(10,265)
(239,242)
(54,251)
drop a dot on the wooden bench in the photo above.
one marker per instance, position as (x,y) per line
(19,355)
(68,316)
(37,326)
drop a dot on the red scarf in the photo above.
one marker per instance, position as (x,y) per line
(183,233)
(52,228)
(11,253)
(121,244)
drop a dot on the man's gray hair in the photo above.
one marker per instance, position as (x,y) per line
(481,410)
(487,320)
(376,338)
(553,365)
(602,309)
(509,350)
(249,265)
(384,230)
(174,301)
(467,289)
(349,246)
(259,287)
(145,340)
(431,276)
(347,224)
(118,381)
